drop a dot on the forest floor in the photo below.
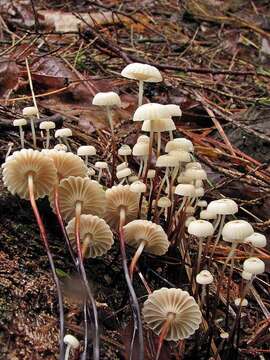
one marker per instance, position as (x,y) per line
(215,60)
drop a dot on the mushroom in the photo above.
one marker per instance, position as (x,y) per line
(109,100)
(72,343)
(174,110)
(172,314)
(181,144)
(96,236)
(60,147)
(125,151)
(168,162)
(79,195)
(189,220)
(164,203)
(47,126)
(151,173)
(207,215)
(145,236)
(122,206)
(102,165)
(20,123)
(30,175)
(158,126)
(138,187)
(63,134)
(123,174)
(205,278)
(142,73)
(31,112)
(201,229)
(221,208)
(187,191)
(256,240)
(141,149)
(151,112)
(86,151)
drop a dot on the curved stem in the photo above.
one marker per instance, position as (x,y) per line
(86,284)
(134,301)
(136,258)
(33,132)
(43,236)
(221,223)
(67,351)
(140,96)
(164,332)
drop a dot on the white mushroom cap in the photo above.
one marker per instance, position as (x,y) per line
(158,125)
(204,278)
(185,144)
(19,122)
(140,149)
(179,144)
(151,111)
(65,132)
(142,72)
(124,150)
(123,173)
(143,139)
(238,302)
(30,111)
(164,202)
(121,166)
(236,230)
(72,341)
(189,220)
(138,187)
(256,239)
(151,173)
(207,215)
(101,165)
(224,335)
(198,183)
(185,190)
(183,179)
(254,266)
(133,178)
(199,192)
(174,110)
(194,165)
(196,174)
(106,99)
(246,275)
(91,172)
(60,147)
(86,150)
(47,125)
(201,228)
(202,203)
(166,161)
(180,155)
(223,207)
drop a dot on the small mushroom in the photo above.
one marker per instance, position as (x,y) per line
(31,112)
(60,147)
(125,151)
(145,236)
(20,123)
(164,203)
(63,135)
(181,144)
(101,166)
(96,236)
(72,343)
(141,150)
(205,278)
(142,73)
(172,314)
(47,126)
(86,151)
(123,174)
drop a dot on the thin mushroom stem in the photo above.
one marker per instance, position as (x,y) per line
(140,96)
(47,139)
(150,190)
(78,210)
(134,301)
(158,143)
(216,223)
(65,141)
(99,175)
(86,160)
(109,115)
(136,258)
(84,354)
(144,166)
(221,223)
(228,293)
(171,135)
(33,131)
(86,244)
(164,332)
(200,254)
(141,167)
(67,351)
(43,236)
(21,136)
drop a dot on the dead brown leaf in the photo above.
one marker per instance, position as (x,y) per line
(9,77)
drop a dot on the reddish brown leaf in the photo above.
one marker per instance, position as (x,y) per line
(9,77)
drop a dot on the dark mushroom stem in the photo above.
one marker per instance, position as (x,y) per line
(85,281)
(164,332)
(134,301)
(136,258)
(44,238)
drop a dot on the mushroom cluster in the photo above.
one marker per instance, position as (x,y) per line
(148,198)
